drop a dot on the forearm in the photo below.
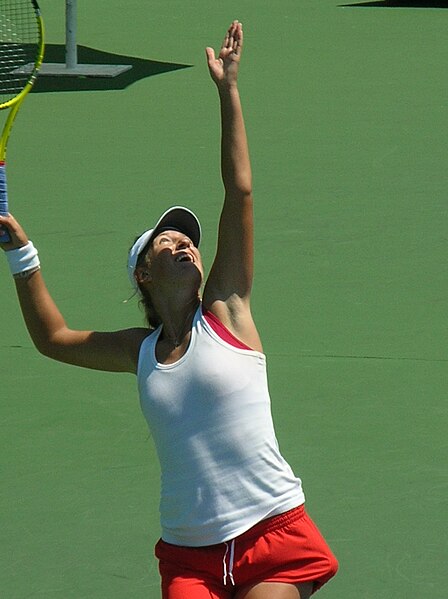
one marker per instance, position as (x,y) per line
(42,317)
(235,161)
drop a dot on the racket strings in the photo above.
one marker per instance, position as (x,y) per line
(19,43)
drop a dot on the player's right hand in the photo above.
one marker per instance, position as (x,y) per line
(18,236)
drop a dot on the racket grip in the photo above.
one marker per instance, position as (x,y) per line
(4,235)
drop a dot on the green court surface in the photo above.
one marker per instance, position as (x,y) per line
(347,115)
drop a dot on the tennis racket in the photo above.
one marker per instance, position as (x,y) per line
(21,54)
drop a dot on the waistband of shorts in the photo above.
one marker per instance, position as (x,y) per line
(274,523)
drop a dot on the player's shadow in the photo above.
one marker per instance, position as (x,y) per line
(141,68)
(402,4)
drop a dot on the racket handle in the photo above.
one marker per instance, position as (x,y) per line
(3,202)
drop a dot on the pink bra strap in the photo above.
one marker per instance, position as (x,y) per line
(223,331)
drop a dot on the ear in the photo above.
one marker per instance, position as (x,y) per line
(142,275)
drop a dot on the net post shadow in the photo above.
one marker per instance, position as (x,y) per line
(140,69)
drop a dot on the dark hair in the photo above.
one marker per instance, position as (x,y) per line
(152,318)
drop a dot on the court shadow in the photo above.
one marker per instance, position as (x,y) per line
(141,68)
(401,4)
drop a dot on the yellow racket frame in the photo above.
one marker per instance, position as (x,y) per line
(16,102)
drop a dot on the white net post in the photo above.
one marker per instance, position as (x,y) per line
(71,66)
(71,21)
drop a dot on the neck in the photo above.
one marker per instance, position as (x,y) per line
(176,324)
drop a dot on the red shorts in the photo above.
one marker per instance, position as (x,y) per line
(287,548)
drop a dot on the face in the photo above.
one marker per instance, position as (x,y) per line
(173,258)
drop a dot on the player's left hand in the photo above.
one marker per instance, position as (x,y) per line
(224,69)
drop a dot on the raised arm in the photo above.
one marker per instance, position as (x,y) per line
(228,288)
(114,351)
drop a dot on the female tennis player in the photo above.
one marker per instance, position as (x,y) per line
(233,519)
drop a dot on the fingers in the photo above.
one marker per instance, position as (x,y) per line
(239,41)
(17,234)
(4,229)
(210,55)
(233,41)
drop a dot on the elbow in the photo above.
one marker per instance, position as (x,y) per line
(245,190)
(240,190)
(47,346)
(239,185)
(53,352)
(44,348)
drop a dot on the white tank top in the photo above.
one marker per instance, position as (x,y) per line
(210,418)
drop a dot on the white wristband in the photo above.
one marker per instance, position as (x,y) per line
(24,259)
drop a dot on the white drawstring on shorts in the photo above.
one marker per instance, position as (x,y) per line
(228,572)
